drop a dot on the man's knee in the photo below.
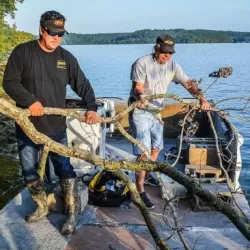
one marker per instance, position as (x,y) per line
(154,154)
(141,157)
(62,166)
(29,159)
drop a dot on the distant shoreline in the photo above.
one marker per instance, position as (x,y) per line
(148,36)
(63,44)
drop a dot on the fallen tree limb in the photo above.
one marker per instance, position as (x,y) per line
(192,186)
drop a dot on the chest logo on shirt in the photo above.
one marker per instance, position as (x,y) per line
(60,64)
(171,75)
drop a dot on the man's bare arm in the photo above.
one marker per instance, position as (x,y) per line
(139,93)
(192,87)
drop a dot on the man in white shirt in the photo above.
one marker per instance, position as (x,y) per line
(150,75)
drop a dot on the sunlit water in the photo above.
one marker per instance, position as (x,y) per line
(108,69)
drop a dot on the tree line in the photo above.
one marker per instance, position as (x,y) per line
(9,36)
(148,36)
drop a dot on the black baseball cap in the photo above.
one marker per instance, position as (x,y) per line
(54,26)
(53,22)
(166,43)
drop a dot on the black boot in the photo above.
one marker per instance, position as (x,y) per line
(69,188)
(38,195)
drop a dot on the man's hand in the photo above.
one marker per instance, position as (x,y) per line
(36,109)
(140,94)
(143,102)
(91,117)
(204,104)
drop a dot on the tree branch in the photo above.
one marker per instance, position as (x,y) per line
(193,187)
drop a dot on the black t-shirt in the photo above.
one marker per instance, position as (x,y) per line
(35,75)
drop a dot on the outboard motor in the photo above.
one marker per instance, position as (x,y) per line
(109,106)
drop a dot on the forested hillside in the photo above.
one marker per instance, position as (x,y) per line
(148,36)
(9,36)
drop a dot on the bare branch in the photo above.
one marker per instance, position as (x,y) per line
(41,169)
(242,223)
(145,212)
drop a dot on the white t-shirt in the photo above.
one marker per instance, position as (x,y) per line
(156,77)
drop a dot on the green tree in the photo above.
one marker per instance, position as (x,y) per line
(9,36)
(8,7)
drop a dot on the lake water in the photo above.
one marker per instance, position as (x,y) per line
(108,69)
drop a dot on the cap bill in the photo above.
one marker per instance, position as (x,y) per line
(167,48)
(54,26)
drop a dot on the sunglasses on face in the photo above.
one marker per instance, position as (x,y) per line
(51,33)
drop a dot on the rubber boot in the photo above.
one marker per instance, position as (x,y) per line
(69,189)
(38,195)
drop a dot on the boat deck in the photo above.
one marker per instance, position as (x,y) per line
(118,228)
(115,228)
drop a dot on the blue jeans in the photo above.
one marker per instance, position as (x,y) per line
(147,129)
(30,154)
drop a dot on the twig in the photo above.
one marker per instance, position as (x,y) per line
(181,137)
(145,212)
(176,221)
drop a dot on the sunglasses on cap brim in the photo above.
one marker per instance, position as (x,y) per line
(51,33)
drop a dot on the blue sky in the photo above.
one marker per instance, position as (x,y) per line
(102,16)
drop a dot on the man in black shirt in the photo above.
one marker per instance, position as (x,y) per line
(35,77)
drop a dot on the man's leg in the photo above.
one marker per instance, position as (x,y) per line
(141,123)
(140,175)
(154,154)
(68,183)
(140,185)
(140,127)
(156,132)
(29,154)
(149,179)
(38,194)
